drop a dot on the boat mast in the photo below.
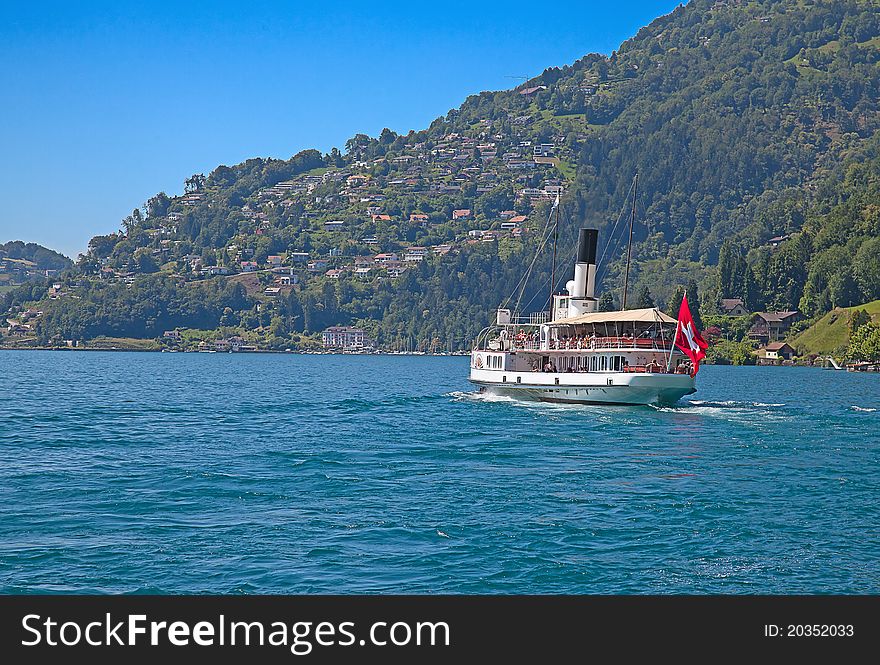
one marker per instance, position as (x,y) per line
(629,248)
(553,266)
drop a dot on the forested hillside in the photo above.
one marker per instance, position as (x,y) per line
(753,128)
(22,262)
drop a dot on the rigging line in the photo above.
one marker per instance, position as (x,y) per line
(525,276)
(538,291)
(602,268)
(524,281)
(600,265)
(616,225)
(547,302)
(574,252)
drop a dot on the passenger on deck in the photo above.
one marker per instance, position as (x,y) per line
(549,367)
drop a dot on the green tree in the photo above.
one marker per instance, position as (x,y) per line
(865,343)
(643,299)
(857,319)
(606,302)
(694,303)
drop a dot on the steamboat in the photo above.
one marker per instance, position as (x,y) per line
(577,354)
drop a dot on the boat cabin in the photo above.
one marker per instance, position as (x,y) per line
(638,340)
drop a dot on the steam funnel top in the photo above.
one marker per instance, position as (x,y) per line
(588,239)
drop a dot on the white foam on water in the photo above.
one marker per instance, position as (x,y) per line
(863,409)
(731,410)
(460,396)
(734,403)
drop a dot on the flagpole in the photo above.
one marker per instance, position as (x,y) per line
(553,268)
(672,347)
(629,249)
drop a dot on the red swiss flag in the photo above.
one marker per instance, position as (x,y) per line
(687,337)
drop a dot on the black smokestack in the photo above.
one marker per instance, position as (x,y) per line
(587,241)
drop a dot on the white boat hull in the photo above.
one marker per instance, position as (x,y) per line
(586,388)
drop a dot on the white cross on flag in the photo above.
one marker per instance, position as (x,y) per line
(687,337)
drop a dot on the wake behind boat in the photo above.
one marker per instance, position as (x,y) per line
(577,354)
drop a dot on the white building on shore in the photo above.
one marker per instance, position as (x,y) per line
(344,337)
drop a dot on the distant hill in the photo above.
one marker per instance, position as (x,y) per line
(830,334)
(43,257)
(753,127)
(21,262)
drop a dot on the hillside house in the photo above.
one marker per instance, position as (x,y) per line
(415,254)
(776,351)
(733,307)
(778,240)
(396,271)
(772,326)
(527,92)
(461,214)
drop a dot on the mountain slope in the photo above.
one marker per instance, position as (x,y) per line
(830,334)
(21,262)
(741,119)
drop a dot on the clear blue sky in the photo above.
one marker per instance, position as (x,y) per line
(105,104)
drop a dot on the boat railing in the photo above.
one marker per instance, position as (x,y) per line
(525,345)
(533,319)
(646,344)
(530,342)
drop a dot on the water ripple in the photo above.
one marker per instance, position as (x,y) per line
(196,473)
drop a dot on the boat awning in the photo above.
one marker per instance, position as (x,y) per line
(649,315)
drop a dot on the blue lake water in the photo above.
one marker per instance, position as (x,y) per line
(232,473)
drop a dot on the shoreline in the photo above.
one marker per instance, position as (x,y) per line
(458,354)
(259,351)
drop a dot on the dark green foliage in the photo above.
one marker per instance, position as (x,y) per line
(143,309)
(606,302)
(46,259)
(857,319)
(864,345)
(694,302)
(642,299)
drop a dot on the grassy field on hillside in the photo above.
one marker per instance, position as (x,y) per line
(830,334)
